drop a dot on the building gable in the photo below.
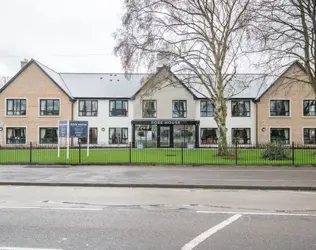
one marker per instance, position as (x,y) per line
(292,79)
(164,77)
(34,70)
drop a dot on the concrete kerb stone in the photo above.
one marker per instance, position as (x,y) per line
(165,186)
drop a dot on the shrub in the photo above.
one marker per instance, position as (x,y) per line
(275,151)
(141,133)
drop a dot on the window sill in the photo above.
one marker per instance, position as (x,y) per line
(49,116)
(309,117)
(241,116)
(15,116)
(280,117)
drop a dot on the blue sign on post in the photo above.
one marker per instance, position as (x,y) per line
(62,129)
(78,129)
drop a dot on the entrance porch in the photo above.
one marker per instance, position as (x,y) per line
(165,133)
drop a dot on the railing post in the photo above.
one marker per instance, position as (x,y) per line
(130,153)
(236,152)
(79,143)
(293,154)
(182,152)
(31,149)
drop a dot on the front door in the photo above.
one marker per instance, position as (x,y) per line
(164,138)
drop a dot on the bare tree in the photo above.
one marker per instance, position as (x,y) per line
(201,39)
(285,30)
(4,80)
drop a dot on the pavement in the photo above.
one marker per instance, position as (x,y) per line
(80,218)
(268,178)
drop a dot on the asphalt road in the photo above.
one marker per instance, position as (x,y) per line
(105,218)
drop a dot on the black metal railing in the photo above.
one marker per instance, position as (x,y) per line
(186,153)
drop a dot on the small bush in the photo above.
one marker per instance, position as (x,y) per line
(141,133)
(275,151)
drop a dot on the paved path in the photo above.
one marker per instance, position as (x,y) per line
(163,176)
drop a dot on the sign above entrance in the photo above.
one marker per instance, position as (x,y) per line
(169,122)
(166,122)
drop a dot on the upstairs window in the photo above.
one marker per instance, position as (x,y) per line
(279,108)
(118,108)
(207,109)
(149,109)
(49,107)
(16,107)
(88,108)
(240,108)
(179,109)
(309,108)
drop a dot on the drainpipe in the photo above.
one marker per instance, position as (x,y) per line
(257,128)
(72,117)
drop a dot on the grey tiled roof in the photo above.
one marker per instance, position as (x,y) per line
(241,86)
(98,85)
(107,85)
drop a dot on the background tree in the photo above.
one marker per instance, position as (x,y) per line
(285,30)
(201,39)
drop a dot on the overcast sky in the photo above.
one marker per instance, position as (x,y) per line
(62,34)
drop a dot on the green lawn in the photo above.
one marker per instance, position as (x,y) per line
(150,156)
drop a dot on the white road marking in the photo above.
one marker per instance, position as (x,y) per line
(255,213)
(202,237)
(53,208)
(25,248)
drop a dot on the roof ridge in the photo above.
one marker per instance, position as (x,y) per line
(100,73)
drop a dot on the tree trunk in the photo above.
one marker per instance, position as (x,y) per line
(220,118)
(222,140)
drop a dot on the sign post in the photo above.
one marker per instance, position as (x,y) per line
(71,129)
(62,133)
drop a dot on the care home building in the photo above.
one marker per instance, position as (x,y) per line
(147,110)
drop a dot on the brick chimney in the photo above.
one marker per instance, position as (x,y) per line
(24,62)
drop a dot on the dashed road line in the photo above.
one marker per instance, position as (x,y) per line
(203,236)
(257,213)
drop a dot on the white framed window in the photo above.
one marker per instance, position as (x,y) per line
(240,108)
(118,135)
(241,135)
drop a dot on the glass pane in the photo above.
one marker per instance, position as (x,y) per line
(88,105)
(164,136)
(56,105)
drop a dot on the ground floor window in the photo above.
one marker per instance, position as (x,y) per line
(48,136)
(146,135)
(152,136)
(118,135)
(16,136)
(209,136)
(93,137)
(280,135)
(241,135)
(309,135)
